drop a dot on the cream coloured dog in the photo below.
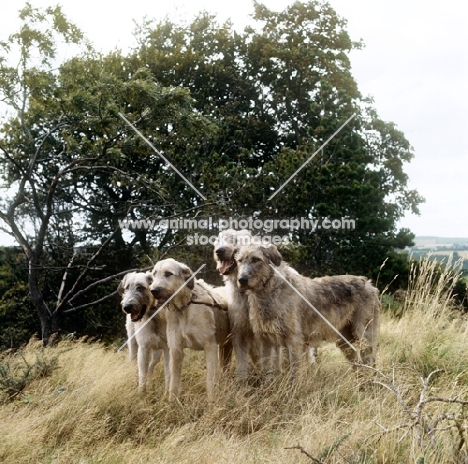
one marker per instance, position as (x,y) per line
(196,318)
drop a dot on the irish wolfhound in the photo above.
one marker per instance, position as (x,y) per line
(245,343)
(196,318)
(150,340)
(349,303)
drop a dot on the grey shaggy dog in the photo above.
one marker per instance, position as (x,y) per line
(350,303)
(247,345)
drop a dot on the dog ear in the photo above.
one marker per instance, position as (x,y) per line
(149,277)
(272,253)
(187,273)
(120,288)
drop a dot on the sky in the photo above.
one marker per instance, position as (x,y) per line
(414,65)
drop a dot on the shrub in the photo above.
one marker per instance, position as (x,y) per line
(16,372)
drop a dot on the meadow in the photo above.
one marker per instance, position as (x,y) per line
(78,402)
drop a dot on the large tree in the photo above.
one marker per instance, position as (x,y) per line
(280,90)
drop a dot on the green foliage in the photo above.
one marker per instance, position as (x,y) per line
(281,89)
(35,41)
(17,318)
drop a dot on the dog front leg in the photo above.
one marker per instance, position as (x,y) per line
(167,372)
(225,355)
(241,348)
(270,354)
(311,353)
(295,347)
(143,362)
(132,343)
(278,359)
(275,358)
(155,357)
(211,356)
(176,358)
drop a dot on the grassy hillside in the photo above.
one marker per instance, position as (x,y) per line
(78,402)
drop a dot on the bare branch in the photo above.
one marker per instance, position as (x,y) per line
(306,453)
(17,234)
(421,425)
(384,431)
(64,280)
(389,386)
(444,400)
(93,303)
(85,271)
(11,159)
(45,218)
(32,165)
(189,210)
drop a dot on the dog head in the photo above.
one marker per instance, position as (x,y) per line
(225,247)
(253,265)
(168,277)
(136,296)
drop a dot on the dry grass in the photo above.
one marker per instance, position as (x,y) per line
(88,410)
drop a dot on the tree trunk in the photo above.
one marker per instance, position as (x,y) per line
(50,329)
(49,320)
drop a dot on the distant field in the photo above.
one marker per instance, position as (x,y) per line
(422,241)
(441,248)
(460,253)
(442,255)
(457,254)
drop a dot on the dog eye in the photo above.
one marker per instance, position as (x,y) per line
(254,259)
(168,274)
(140,288)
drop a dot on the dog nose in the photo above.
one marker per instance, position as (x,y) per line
(220,251)
(243,280)
(156,291)
(127,308)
